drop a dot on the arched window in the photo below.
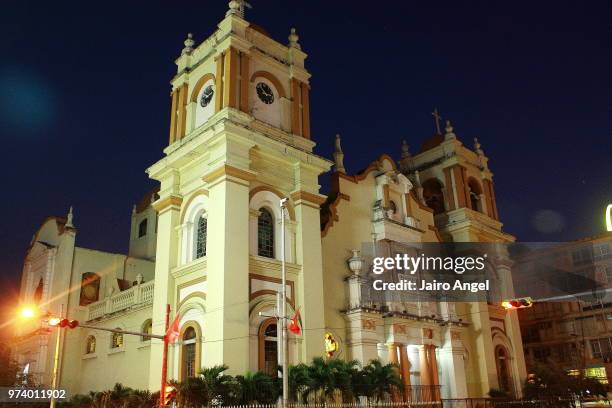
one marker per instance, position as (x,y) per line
(475,192)
(38,292)
(147,327)
(393,207)
(503,373)
(142,228)
(268,347)
(116,339)
(432,193)
(90,345)
(201,232)
(90,288)
(188,362)
(265,234)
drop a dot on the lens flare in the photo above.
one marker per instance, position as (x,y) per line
(28,312)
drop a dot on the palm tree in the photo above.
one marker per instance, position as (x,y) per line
(299,382)
(190,393)
(221,389)
(256,388)
(140,399)
(382,379)
(322,381)
(343,373)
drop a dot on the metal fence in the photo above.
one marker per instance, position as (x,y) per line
(450,403)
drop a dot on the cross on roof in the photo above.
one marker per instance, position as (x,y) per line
(437,118)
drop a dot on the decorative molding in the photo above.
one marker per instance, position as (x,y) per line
(196,89)
(228,171)
(164,203)
(197,193)
(306,196)
(368,324)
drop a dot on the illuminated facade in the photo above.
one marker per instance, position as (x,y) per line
(240,141)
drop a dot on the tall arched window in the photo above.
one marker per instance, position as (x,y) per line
(147,327)
(475,193)
(38,292)
(188,362)
(432,193)
(268,347)
(90,345)
(503,373)
(265,234)
(201,232)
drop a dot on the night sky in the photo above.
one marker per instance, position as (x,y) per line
(84,101)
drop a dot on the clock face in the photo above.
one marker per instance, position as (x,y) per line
(207,96)
(264,92)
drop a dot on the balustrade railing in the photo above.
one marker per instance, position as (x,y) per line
(138,295)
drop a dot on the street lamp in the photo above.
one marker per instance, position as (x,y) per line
(27,312)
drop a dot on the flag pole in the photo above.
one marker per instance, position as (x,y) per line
(283,203)
(164,374)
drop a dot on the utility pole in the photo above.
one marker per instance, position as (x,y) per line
(283,204)
(54,379)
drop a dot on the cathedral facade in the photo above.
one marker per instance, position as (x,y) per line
(207,242)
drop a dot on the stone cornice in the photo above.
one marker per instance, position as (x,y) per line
(309,197)
(231,171)
(163,203)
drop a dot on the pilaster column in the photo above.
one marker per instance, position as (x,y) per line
(308,254)
(393,359)
(433,366)
(405,371)
(227,314)
(424,366)
(168,209)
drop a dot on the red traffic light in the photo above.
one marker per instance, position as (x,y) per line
(63,323)
(519,303)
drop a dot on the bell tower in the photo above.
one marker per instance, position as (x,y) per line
(239,142)
(241,67)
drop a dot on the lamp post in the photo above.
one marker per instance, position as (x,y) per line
(54,379)
(31,312)
(283,205)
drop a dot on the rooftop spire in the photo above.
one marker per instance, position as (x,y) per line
(69,217)
(188,45)
(339,156)
(477,147)
(405,149)
(293,39)
(236,7)
(449,135)
(406,157)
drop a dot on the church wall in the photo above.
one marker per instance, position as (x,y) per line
(100,371)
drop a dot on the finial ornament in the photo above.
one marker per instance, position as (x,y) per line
(133,209)
(293,39)
(449,135)
(188,45)
(478,147)
(69,219)
(236,7)
(339,156)
(405,149)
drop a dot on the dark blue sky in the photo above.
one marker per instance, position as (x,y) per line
(84,101)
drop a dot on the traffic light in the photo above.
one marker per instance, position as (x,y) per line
(63,323)
(519,303)
(169,394)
